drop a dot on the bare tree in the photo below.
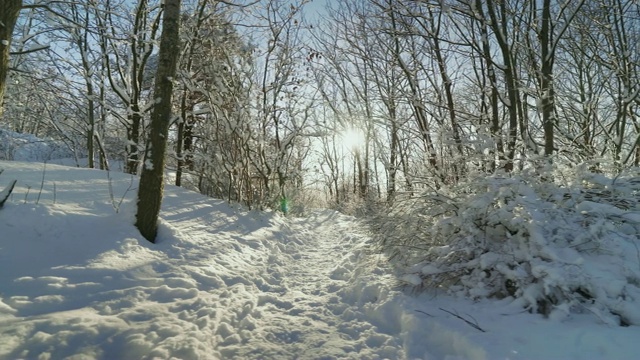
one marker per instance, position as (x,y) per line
(621,57)
(127,66)
(282,110)
(549,27)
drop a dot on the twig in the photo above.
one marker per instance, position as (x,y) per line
(473,325)
(44,171)
(125,193)
(423,312)
(109,183)
(26,195)
(116,206)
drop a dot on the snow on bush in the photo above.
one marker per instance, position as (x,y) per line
(26,147)
(557,247)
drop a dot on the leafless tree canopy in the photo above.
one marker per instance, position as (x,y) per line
(264,92)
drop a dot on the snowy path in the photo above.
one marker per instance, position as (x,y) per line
(221,283)
(298,299)
(305,312)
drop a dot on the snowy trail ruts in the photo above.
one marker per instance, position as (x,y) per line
(309,304)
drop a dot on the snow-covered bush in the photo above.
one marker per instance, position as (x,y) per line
(557,247)
(27,147)
(304,200)
(355,205)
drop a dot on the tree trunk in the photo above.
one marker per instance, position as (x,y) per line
(9,10)
(133,137)
(184,142)
(152,178)
(180,137)
(393,156)
(499,24)
(546,78)
(494,96)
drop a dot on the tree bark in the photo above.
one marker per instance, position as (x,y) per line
(9,10)
(546,78)
(152,178)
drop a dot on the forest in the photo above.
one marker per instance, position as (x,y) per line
(438,92)
(490,143)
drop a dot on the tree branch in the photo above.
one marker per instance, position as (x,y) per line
(39,48)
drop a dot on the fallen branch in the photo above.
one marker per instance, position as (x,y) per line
(472,324)
(4,194)
(424,312)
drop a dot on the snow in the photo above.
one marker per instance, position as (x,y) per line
(78,281)
(26,147)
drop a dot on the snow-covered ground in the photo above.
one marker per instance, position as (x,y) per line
(78,282)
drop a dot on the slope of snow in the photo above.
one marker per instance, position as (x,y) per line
(77,281)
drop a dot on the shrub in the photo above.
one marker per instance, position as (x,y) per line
(556,247)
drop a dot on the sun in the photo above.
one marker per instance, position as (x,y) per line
(352,139)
